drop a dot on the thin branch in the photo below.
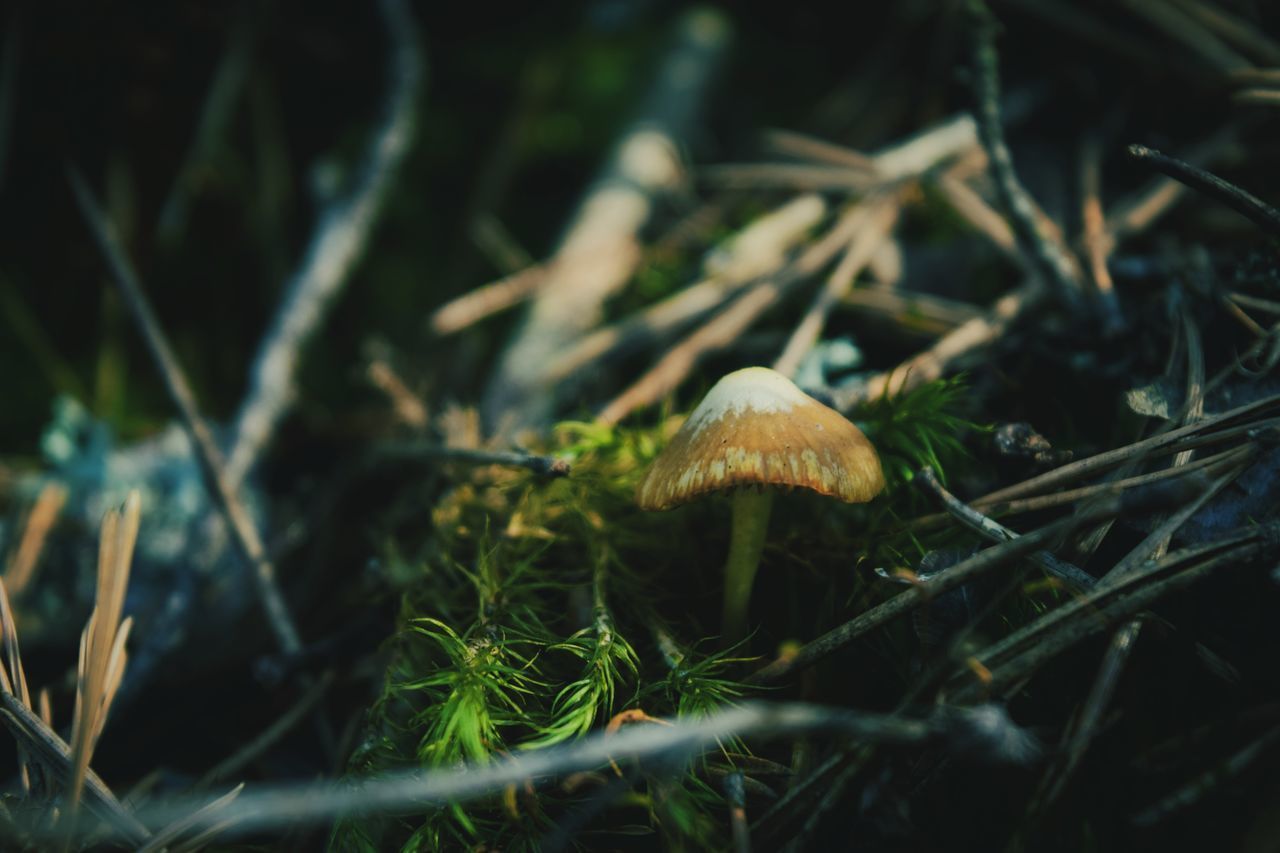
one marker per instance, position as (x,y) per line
(249,752)
(1073,576)
(489,299)
(208,455)
(1235,422)
(1238,32)
(1097,246)
(996,507)
(870,221)
(801,145)
(336,247)
(962,732)
(1081,733)
(809,330)
(948,351)
(1091,614)
(758,250)
(40,740)
(600,249)
(550,466)
(915,311)
(1182,27)
(1212,779)
(1046,249)
(963,572)
(1246,204)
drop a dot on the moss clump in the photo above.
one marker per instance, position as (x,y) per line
(544,608)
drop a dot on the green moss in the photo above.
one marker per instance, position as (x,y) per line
(546,607)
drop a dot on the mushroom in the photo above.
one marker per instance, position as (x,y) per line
(756,431)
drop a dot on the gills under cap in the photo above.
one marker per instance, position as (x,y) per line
(755,427)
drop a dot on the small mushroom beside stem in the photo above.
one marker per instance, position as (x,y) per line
(753,433)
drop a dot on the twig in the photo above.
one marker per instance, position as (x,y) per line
(335,248)
(1090,614)
(544,465)
(208,456)
(1238,32)
(918,154)
(1070,17)
(41,741)
(995,507)
(1246,204)
(810,148)
(787,176)
(1190,32)
(1269,97)
(809,329)
(1073,576)
(408,406)
(1080,734)
(485,301)
(277,807)
(280,727)
(870,220)
(1200,786)
(600,249)
(1096,245)
(736,795)
(759,249)
(1209,430)
(911,310)
(963,572)
(948,351)
(974,209)
(203,816)
(1050,257)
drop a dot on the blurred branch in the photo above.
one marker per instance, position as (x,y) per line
(207,454)
(1049,256)
(336,247)
(600,248)
(868,222)
(971,733)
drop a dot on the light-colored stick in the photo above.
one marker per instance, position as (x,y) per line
(600,249)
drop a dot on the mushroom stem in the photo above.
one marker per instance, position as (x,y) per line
(746,541)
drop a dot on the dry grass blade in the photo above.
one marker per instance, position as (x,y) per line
(202,817)
(102,655)
(22,566)
(38,745)
(13,680)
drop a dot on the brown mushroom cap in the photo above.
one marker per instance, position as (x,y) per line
(755,427)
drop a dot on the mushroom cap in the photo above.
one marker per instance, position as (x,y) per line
(755,427)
